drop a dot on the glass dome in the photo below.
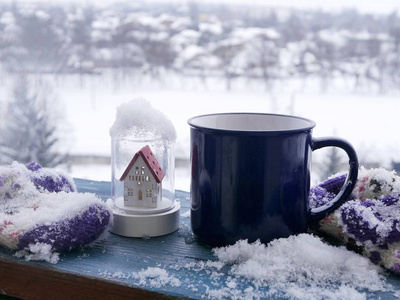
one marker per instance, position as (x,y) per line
(143,172)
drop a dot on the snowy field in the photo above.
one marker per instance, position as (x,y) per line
(367,119)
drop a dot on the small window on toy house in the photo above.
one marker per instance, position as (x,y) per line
(148,193)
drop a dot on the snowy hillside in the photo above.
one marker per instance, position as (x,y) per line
(368,121)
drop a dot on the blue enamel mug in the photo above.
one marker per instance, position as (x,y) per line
(250,176)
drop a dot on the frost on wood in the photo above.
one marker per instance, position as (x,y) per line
(156,277)
(139,119)
(153,277)
(299,267)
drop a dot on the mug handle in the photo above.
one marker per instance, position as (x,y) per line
(351,179)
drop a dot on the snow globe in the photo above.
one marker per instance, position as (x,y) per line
(143,168)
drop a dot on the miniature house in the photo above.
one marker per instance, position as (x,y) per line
(143,180)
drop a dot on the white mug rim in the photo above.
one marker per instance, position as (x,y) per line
(251,122)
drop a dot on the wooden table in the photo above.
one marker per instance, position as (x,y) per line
(112,269)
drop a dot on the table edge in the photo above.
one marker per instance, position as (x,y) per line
(32,281)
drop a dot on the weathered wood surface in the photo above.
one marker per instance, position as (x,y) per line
(106,271)
(109,270)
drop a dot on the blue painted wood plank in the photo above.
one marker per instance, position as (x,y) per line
(179,255)
(121,258)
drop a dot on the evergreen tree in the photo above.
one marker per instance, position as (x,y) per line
(28,133)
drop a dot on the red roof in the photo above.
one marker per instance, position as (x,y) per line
(151,162)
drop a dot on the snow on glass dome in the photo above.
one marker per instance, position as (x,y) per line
(138,119)
(143,162)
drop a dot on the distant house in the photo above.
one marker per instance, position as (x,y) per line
(143,180)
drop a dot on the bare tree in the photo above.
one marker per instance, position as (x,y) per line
(263,56)
(226,51)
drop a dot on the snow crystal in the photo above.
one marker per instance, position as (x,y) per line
(304,260)
(376,183)
(152,276)
(39,251)
(115,275)
(186,214)
(156,277)
(300,267)
(140,119)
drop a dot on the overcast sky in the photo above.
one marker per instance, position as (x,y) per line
(366,6)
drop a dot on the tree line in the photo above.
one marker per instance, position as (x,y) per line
(195,39)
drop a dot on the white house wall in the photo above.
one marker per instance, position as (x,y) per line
(140,182)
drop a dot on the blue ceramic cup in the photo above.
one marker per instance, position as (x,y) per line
(251,176)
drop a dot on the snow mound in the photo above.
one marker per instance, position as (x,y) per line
(138,118)
(298,267)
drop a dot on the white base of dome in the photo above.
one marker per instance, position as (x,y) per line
(150,225)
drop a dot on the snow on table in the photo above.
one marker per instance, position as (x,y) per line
(301,267)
